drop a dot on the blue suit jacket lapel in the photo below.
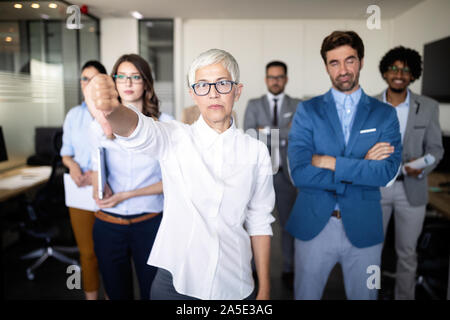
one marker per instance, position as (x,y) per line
(333,118)
(362,112)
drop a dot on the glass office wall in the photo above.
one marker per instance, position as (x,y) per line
(156,46)
(40,59)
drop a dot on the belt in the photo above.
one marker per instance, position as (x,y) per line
(336,213)
(123,221)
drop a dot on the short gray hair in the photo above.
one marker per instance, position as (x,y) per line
(213,56)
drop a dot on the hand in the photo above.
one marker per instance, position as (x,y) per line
(413,172)
(324,162)
(263,295)
(106,193)
(379,151)
(76,175)
(111,200)
(87,179)
(101,98)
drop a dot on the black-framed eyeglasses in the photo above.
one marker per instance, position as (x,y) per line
(121,78)
(395,69)
(276,78)
(222,87)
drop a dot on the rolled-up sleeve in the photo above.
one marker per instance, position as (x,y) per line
(259,210)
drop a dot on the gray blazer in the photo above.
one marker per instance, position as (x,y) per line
(258,115)
(422,135)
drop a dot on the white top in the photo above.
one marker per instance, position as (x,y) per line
(128,171)
(218,192)
(402,112)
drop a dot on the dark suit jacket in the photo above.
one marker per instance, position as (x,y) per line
(258,115)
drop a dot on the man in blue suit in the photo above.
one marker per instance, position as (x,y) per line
(343,146)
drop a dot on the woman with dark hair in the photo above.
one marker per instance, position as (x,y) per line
(75,152)
(131,210)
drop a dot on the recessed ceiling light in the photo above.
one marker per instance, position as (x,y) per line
(17,6)
(53,5)
(35,6)
(136,15)
(8,39)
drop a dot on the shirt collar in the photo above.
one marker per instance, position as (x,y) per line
(207,134)
(339,97)
(271,96)
(405,103)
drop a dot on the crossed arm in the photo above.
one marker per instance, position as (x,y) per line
(327,172)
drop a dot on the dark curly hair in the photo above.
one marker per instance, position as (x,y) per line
(408,56)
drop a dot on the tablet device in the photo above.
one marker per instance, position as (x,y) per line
(101,169)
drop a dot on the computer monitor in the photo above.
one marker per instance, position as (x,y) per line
(3,154)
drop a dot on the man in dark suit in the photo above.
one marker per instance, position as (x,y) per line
(343,146)
(421,134)
(275,110)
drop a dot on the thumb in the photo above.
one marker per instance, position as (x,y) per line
(106,127)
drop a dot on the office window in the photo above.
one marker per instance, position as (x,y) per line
(156,46)
(40,61)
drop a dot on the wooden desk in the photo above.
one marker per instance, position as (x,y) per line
(439,200)
(34,180)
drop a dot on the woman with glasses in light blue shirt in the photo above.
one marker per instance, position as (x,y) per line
(132,206)
(76,156)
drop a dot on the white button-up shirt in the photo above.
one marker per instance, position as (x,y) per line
(128,171)
(276,156)
(218,191)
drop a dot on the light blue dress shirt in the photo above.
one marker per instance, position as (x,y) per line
(127,171)
(75,140)
(346,106)
(402,112)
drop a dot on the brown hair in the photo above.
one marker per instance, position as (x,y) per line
(151,102)
(341,38)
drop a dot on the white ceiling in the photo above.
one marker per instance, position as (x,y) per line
(246,9)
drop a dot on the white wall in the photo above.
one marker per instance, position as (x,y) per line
(117,37)
(297,42)
(424,23)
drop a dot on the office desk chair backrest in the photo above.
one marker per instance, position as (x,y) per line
(45,147)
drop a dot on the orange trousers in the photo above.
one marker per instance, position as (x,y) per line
(82,226)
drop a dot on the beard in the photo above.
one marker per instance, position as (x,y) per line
(346,85)
(397,90)
(275,90)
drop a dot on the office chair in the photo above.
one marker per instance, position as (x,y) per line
(433,250)
(48,199)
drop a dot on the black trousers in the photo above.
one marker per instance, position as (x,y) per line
(115,245)
(163,289)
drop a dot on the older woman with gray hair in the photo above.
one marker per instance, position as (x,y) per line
(217,184)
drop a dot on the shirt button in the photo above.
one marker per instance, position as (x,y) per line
(348,110)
